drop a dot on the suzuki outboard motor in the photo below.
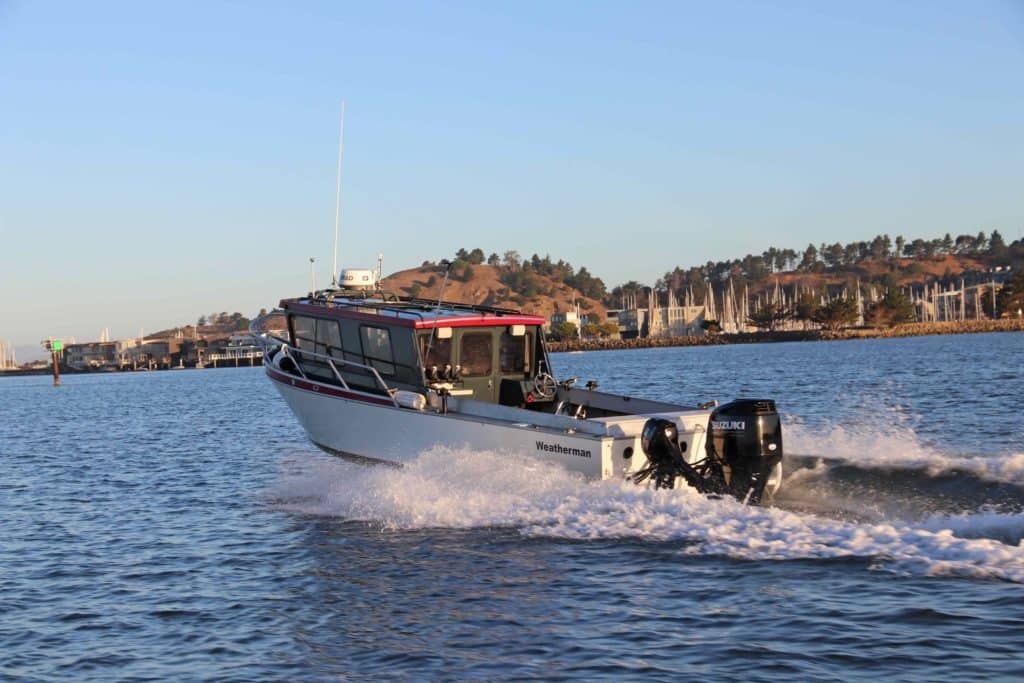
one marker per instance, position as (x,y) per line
(745,437)
(744,447)
(660,441)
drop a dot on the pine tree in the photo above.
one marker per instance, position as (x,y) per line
(894,308)
(836,314)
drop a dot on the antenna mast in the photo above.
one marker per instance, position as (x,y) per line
(337,195)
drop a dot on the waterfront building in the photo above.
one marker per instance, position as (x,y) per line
(240,349)
(573,316)
(92,355)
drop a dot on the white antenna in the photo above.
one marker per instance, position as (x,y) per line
(337,195)
(312,276)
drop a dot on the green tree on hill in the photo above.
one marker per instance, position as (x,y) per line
(711,326)
(564,330)
(768,316)
(605,329)
(834,256)
(586,284)
(980,242)
(998,249)
(836,314)
(1010,299)
(895,308)
(806,306)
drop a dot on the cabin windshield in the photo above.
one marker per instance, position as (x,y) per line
(482,360)
(514,353)
(476,353)
(434,351)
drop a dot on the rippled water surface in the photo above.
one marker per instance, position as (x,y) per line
(178,525)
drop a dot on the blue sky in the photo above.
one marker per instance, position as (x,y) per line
(162,161)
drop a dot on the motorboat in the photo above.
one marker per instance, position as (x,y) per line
(381,377)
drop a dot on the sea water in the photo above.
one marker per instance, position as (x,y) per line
(178,525)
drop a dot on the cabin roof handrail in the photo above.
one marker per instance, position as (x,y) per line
(385,303)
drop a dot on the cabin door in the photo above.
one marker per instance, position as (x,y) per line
(476,352)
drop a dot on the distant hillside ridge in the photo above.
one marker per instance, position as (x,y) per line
(882,261)
(543,286)
(537,285)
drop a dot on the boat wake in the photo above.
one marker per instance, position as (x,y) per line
(876,476)
(883,499)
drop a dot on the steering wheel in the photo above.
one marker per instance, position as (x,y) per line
(544,385)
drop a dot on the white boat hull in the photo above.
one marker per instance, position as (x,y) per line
(367,426)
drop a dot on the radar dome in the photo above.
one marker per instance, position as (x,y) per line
(357,278)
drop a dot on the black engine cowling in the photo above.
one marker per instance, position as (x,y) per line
(744,445)
(745,437)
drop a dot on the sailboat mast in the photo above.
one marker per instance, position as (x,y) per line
(337,195)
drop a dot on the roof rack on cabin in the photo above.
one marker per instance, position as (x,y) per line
(395,303)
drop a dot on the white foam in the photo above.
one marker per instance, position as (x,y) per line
(897,446)
(1006,527)
(465,489)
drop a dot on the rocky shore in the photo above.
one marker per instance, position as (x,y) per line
(906,330)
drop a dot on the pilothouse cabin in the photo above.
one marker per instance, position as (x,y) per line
(379,341)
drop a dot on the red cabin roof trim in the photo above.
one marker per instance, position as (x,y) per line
(478,320)
(390,318)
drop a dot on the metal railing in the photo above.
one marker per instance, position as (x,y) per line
(391,305)
(296,356)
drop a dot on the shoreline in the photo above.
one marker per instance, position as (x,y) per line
(48,371)
(905,330)
(897,331)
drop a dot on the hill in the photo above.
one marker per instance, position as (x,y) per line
(901,272)
(881,262)
(495,285)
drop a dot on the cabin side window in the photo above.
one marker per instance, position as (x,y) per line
(376,343)
(475,356)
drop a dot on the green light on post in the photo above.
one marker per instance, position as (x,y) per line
(58,345)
